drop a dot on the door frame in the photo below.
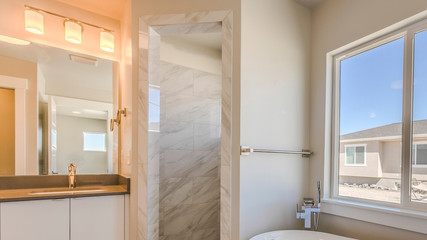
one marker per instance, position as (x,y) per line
(143,224)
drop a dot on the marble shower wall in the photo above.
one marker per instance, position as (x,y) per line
(144,202)
(189,147)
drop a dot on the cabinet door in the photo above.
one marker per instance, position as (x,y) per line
(35,220)
(95,218)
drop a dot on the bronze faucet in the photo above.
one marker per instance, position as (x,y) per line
(72,176)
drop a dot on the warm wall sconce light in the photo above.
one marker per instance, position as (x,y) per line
(73,27)
(118,118)
(107,41)
(33,21)
(73,31)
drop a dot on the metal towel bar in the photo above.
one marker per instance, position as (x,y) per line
(246,150)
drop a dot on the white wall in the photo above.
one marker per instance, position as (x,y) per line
(70,145)
(336,23)
(125,94)
(274,113)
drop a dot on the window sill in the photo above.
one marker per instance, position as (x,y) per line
(387,216)
(419,166)
(355,165)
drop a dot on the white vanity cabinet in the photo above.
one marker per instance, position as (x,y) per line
(85,218)
(97,218)
(35,220)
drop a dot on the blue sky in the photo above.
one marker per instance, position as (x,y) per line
(154,105)
(371,86)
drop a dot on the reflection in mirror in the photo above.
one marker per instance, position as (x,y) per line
(7,133)
(57,104)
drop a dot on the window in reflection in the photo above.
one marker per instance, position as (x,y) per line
(94,142)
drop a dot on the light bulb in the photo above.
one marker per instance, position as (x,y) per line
(73,31)
(33,21)
(107,41)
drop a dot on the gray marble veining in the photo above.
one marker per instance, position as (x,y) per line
(206,234)
(189,159)
(176,191)
(188,28)
(177,135)
(185,163)
(191,108)
(206,137)
(176,79)
(190,217)
(205,190)
(207,85)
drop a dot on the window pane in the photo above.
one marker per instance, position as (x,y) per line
(94,142)
(153,109)
(360,155)
(419,126)
(350,155)
(413,155)
(421,154)
(371,116)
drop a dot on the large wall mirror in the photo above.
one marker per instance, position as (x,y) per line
(55,108)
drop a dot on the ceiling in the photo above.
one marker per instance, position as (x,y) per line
(61,69)
(56,66)
(115,8)
(109,8)
(310,3)
(82,108)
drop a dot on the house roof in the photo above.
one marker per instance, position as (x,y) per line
(395,129)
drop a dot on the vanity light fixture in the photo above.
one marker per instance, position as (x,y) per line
(34,21)
(73,27)
(12,40)
(73,31)
(106,41)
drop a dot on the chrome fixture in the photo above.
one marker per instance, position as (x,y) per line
(316,215)
(118,118)
(246,150)
(307,208)
(72,176)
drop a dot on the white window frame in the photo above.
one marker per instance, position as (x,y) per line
(355,164)
(99,133)
(406,215)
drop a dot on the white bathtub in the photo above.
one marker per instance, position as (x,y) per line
(298,235)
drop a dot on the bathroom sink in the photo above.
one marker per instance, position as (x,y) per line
(66,191)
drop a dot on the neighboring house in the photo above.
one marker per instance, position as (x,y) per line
(373,156)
